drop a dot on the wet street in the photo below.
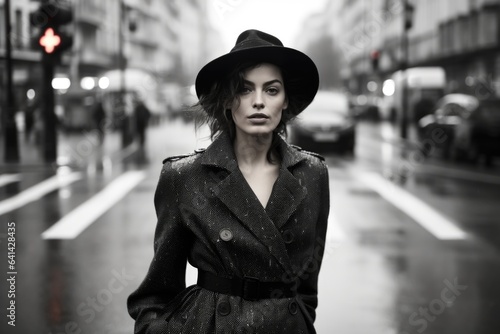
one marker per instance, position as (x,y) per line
(413,243)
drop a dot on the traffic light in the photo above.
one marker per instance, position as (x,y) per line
(408,15)
(374,57)
(52,19)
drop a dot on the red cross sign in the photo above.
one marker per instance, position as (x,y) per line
(50,40)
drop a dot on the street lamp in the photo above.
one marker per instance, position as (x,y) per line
(407,24)
(10,131)
(121,64)
(124,121)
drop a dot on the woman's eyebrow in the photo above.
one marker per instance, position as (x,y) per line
(267,83)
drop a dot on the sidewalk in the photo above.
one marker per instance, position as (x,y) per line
(76,149)
(411,147)
(391,133)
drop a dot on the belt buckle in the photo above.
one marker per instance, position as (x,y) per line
(251,288)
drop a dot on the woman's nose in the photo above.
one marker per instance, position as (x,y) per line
(258,103)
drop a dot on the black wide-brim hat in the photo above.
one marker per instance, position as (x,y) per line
(302,78)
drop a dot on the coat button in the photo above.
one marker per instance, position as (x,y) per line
(226,234)
(224,308)
(292,307)
(288,236)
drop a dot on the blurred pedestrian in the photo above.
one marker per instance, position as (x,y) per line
(29,117)
(38,125)
(423,107)
(250,212)
(142,116)
(99,119)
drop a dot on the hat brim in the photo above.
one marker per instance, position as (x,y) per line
(302,74)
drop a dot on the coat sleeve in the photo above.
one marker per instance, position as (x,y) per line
(166,276)
(308,287)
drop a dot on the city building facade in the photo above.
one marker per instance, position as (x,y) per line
(462,36)
(25,70)
(167,40)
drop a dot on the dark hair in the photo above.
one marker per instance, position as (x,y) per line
(212,108)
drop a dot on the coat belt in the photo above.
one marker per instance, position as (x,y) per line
(248,288)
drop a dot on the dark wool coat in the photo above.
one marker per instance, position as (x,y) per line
(208,214)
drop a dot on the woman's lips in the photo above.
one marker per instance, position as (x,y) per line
(258,118)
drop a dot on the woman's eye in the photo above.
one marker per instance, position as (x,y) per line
(272,91)
(245,90)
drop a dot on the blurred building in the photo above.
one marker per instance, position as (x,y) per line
(462,36)
(191,26)
(317,38)
(167,40)
(26,69)
(358,34)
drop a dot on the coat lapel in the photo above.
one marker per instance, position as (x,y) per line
(286,197)
(288,192)
(237,195)
(239,198)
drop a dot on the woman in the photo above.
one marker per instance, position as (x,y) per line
(250,211)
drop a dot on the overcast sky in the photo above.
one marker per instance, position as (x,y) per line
(281,18)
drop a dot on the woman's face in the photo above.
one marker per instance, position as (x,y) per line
(261,101)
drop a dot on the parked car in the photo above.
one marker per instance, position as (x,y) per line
(420,82)
(326,124)
(365,107)
(469,127)
(485,130)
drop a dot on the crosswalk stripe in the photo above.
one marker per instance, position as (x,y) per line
(9,178)
(335,232)
(441,227)
(75,222)
(461,174)
(38,191)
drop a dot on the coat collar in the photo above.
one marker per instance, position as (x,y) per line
(221,154)
(234,191)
